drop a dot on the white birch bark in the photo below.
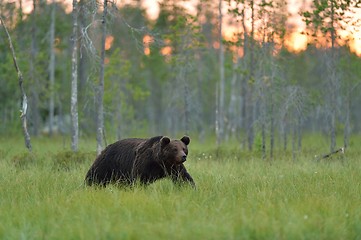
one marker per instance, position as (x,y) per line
(100,90)
(74,82)
(24,101)
(52,69)
(220,111)
(250,108)
(34,100)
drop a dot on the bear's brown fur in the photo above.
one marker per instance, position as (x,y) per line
(147,160)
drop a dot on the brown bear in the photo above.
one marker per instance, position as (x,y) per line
(145,160)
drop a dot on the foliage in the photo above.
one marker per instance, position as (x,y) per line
(330,17)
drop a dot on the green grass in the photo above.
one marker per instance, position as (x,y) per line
(238,196)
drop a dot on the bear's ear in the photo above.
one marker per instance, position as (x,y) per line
(186,140)
(164,141)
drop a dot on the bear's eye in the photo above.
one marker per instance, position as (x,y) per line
(185,151)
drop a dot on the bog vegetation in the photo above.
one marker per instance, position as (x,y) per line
(238,196)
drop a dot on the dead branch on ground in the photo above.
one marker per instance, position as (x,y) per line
(341,150)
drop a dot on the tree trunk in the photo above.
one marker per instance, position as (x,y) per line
(299,133)
(346,133)
(83,56)
(100,90)
(334,83)
(284,133)
(200,128)
(186,102)
(52,69)
(232,115)
(233,108)
(217,114)
(294,137)
(152,104)
(272,134)
(333,103)
(24,102)
(250,110)
(20,10)
(200,125)
(34,101)
(74,82)
(118,112)
(263,128)
(244,90)
(220,115)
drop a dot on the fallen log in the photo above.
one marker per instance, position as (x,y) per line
(341,150)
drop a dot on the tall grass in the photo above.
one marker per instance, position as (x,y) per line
(238,196)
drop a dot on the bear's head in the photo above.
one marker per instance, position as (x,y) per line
(174,151)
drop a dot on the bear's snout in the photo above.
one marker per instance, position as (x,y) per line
(184,158)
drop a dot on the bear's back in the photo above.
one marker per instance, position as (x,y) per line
(120,155)
(116,161)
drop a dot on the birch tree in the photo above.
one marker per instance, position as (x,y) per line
(100,87)
(34,100)
(271,15)
(251,79)
(74,82)
(221,94)
(236,99)
(52,69)
(24,101)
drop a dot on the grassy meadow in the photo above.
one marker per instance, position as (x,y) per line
(239,196)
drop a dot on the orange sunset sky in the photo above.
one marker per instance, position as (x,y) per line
(295,41)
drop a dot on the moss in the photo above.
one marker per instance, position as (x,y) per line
(24,160)
(68,160)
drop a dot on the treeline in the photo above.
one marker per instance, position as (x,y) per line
(177,74)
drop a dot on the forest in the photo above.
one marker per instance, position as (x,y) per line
(217,70)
